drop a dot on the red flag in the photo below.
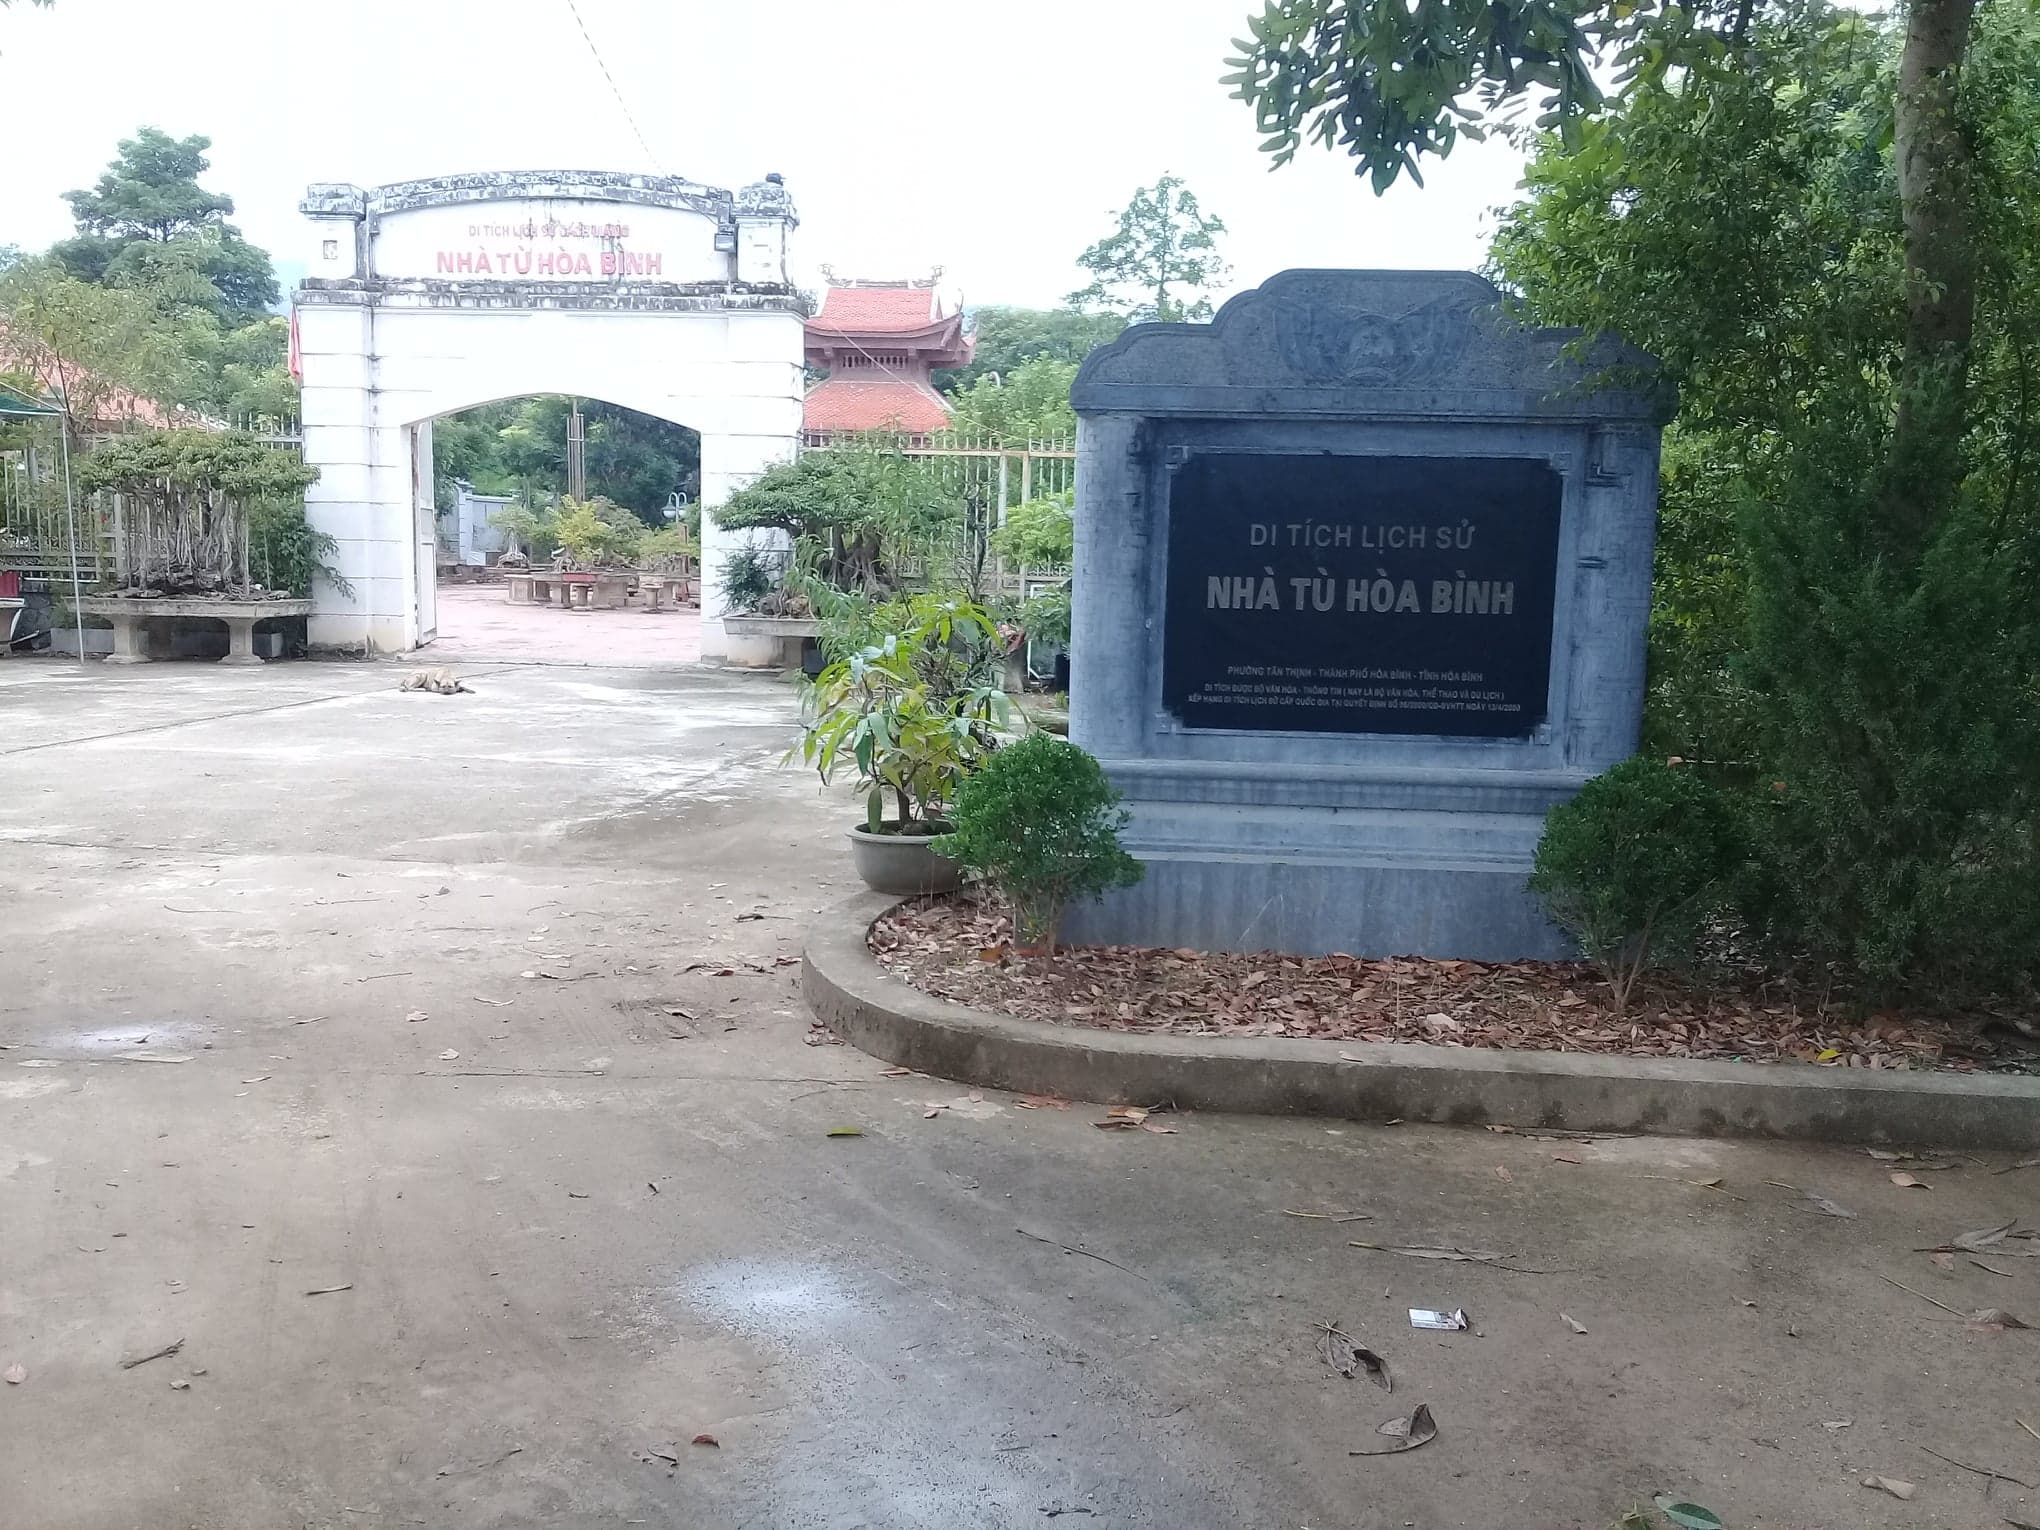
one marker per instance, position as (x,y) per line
(297,359)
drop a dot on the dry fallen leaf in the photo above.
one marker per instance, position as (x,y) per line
(1407,1433)
(1375,1367)
(1502,1174)
(1994,1320)
(1906,1181)
(1890,1485)
(1042,1102)
(1565,1158)
(1574,1323)
(418,1014)
(448,1055)
(15,1374)
(708,1439)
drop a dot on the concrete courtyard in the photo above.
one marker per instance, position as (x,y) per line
(433,1068)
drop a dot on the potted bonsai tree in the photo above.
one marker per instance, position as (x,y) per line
(916,713)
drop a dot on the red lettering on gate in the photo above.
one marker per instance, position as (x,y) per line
(446,262)
(581,266)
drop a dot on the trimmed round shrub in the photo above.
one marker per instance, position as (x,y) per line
(1634,866)
(1040,823)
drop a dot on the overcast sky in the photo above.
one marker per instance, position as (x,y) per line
(995,141)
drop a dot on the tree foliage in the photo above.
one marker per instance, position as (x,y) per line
(106,353)
(518,447)
(1029,403)
(1160,262)
(148,223)
(1389,84)
(1005,338)
(1039,535)
(232,463)
(1868,675)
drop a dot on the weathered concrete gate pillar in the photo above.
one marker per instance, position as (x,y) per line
(1362,578)
(426,297)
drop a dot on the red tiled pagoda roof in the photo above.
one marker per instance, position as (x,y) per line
(891,317)
(841,404)
(876,310)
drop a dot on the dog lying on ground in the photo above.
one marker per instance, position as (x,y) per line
(443,681)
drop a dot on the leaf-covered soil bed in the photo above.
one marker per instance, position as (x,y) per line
(961,948)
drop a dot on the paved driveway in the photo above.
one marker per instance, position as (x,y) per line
(474,1015)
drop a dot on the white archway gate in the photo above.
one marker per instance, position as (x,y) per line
(426,297)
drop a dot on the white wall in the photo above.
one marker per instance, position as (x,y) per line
(733,376)
(433,296)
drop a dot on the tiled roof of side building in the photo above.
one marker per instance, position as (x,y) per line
(839,404)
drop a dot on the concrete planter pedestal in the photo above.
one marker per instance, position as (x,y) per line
(767,642)
(130,642)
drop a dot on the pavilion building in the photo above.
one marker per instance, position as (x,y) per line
(879,342)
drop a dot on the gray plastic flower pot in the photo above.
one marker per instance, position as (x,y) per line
(902,864)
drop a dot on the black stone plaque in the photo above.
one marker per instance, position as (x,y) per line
(1353,594)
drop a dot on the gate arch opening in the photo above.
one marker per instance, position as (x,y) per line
(426,298)
(502,471)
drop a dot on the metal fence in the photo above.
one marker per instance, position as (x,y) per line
(35,528)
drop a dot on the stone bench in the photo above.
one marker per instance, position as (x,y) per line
(570,590)
(130,641)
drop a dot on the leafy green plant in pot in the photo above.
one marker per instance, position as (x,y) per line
(917,713)
(1041,823)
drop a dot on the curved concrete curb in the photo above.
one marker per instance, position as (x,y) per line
(848,990)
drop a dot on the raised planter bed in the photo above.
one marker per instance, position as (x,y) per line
(871,1008)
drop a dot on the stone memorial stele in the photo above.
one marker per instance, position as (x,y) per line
(1362,578)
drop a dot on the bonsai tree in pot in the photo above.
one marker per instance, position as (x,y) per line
(597,533)
(916,712)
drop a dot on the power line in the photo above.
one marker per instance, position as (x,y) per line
(621,105)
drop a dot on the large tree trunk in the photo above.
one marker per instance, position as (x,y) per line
(1933,154)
